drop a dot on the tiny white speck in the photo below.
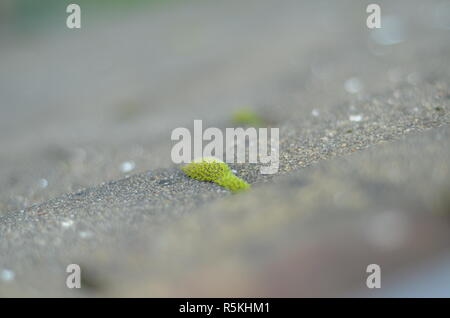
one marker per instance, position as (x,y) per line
(315,112)
(127,166)
(355,118)
(86,234)
(234,171)
(7,275)
(353,85)
(67,223)
(43,183)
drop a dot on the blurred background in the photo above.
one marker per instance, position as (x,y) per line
(364,149)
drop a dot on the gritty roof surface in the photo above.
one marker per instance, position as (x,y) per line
(86,175)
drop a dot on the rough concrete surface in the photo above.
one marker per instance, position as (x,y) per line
(364,150)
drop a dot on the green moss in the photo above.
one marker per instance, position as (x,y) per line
(247,117)
(214,170)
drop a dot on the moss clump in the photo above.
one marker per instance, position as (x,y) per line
(247,117)
(214,170)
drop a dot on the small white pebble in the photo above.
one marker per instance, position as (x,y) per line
(353,85)
(127,166)
(355,118)
(315,112)
(234,171)
(43,183)
(67,223)
(7,275)
(86,234)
